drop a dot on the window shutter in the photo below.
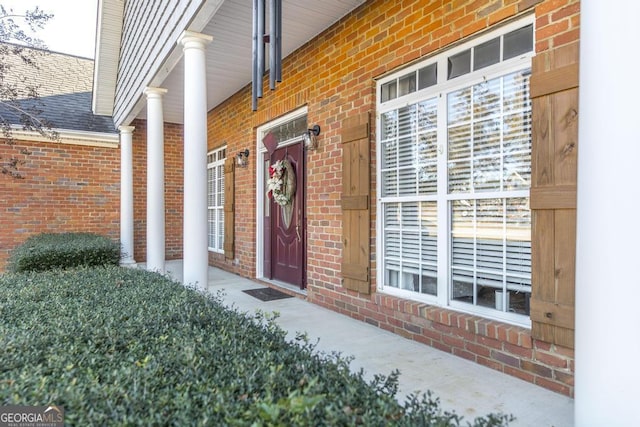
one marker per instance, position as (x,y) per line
(554,92)
(229,207)
(356,202)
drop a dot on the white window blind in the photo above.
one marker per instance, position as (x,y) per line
(215,199)
(489,140)
(454,170)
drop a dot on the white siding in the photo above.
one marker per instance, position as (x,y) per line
(150,32)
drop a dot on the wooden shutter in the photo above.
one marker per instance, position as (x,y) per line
(229,207)
(554,93)
(356,201)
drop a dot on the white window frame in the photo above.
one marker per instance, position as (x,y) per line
(443,198)
(218,206)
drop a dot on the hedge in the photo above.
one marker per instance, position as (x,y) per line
(118,346)
(63,250)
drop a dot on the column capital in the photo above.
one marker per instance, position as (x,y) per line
(126,129)
(191,39)
(154,92)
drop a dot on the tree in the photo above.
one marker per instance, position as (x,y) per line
(19,100)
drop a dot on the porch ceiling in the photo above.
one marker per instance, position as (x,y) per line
(229,54)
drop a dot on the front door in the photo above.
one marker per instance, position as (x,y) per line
(287,233)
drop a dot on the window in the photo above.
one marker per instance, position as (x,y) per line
(215,199)
(454,162)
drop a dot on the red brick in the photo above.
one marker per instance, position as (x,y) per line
(65,188)
(554,386)
(536,368)
(480,350)
(490,363)
(518,373)
(505,358)
(551,359)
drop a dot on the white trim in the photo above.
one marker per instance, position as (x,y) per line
(212,165)
(473,41)
(107,51)
(71,137)
(260,150)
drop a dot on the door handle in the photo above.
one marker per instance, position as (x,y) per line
(298,226)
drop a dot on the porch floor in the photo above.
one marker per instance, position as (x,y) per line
(468,388)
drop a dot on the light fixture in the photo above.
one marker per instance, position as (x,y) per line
(243,158)
(310,137)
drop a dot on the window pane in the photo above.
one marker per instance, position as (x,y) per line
(518,42)
(392,215)
(459,106)
(517,170)
(429,247)
(407,185)
(516,92)
(428,115)
(407,120)
(487,53)
(427,163)
(427,76)
(491,253)
(489,239)
(212,228)
(459,64)
(407,84)
(459,164)
(292,129)
(392,251)
(220,229)
(215,198)
(388,91)
(518,238)
(389,125)
(210,187)
(390,183)
(487,99)
(390,154)
(410,241)
(487,156)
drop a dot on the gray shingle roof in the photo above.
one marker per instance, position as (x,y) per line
(65,84)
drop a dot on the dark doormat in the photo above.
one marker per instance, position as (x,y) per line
(267,294)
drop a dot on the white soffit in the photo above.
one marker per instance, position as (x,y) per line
(229,54)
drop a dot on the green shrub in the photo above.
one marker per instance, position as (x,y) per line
(119,346)
(63,250)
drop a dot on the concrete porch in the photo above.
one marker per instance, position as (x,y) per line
(467,388)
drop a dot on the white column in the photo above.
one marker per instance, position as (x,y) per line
(608,230)
(126,195)
(155,179)
(196,255)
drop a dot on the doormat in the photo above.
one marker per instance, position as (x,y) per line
(267,294)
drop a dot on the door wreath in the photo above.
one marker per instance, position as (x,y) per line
(281,185)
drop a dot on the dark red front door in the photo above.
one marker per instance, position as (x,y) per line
(287,224)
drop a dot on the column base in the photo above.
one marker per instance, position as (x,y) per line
(128,263)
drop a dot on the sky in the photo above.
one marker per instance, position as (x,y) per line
(72,29)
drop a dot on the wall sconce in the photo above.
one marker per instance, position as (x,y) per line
(243,158)
(310,137)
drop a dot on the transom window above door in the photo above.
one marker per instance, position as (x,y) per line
(454,172)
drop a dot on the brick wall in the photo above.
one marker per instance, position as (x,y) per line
(333,75)
(173,189)
(65,188)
